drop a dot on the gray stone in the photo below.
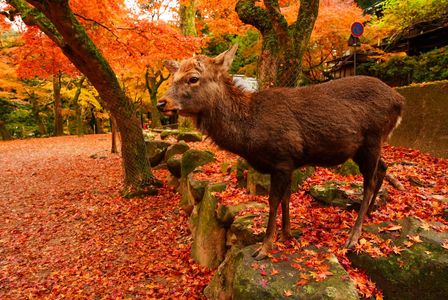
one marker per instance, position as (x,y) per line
(178,148)
(195,158)
(419,272)
(189,136)
(174,165)
(241,277)
(332,193)
(156,151)
(209,236)
(348,168)
(168,132)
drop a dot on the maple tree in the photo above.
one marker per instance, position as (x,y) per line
(330,35)
(283,44)
(40,57)
(57,21)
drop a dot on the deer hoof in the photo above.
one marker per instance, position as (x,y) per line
(285,237)
(260,253)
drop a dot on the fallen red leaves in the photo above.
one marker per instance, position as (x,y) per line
(65,230)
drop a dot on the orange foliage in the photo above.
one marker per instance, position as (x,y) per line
(40,57)
(220,17)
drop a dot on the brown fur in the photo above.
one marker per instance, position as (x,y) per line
(280,129)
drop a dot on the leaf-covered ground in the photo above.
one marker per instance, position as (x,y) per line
(65,230)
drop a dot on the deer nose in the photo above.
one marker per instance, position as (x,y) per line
(161,105)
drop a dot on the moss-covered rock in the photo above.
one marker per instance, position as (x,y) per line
(193,159)
(178,148)
(149,135)
(257,183)
(299,176)
(244,231)
(174,165)
(226,213)
(190,136)
(342,194)
(209,236)
(156,151)
(419,272)
(242,167)
(348,168)
(169,132)
(240,277)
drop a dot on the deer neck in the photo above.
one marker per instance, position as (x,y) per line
(226,122)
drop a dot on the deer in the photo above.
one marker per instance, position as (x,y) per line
(279,129)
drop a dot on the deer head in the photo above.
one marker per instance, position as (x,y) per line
(197,83)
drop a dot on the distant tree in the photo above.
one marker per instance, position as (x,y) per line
(398,15)
(283,43)
(57,20)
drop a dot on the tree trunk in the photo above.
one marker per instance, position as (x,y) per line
(58,121)
(187,14)
(35,110)
(63,28)
(78,109)
(4,131)
(113,127)
(280,62)
(100,126)
(151,87)
(155,114)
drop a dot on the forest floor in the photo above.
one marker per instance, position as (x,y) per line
(65,231)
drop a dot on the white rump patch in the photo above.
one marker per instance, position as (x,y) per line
(395,127)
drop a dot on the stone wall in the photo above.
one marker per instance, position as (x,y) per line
(425,119)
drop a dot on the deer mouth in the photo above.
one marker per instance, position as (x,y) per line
(169,112)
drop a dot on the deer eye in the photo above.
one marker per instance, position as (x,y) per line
(193,80)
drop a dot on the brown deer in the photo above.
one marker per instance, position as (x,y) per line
(280,129)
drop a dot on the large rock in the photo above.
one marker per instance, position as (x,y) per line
(348,168)
(419,272)
(242,168)
(260,184)
(226,214)
(299,176)
(178,148)
(168,132)
(195,158)
(189,136)
(209,236)
(241,277)
(174,165)
(343,194)
(245,231)
(257,183)
(156,151)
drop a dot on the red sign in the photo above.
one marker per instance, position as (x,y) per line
(357,29)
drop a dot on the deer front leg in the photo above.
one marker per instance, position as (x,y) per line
(280,188)
(368,167)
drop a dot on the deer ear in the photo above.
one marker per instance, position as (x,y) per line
(226,58)
(171,65)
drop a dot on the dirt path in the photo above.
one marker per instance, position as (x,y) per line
(66,232)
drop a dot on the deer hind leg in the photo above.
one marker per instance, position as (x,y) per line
(286,224)
(367,158)
(280,187)
(379,177)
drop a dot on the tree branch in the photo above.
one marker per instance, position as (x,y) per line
(33,17)
(253,15)
(278,20)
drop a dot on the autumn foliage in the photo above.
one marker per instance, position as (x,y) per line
(67,231)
